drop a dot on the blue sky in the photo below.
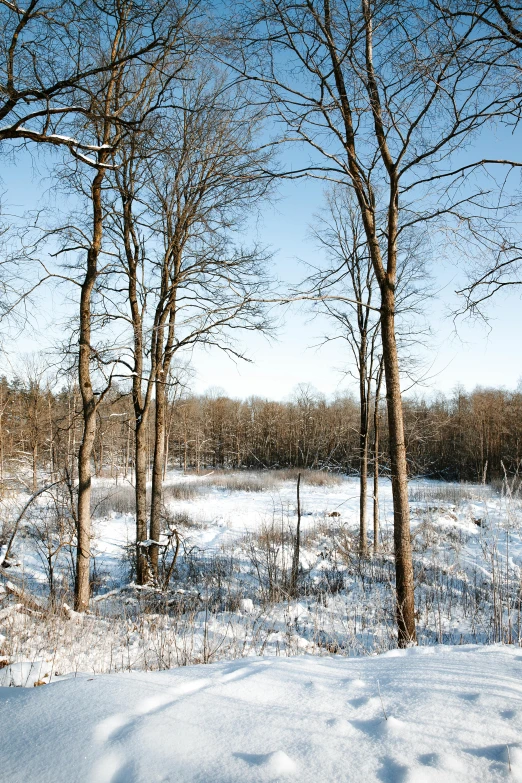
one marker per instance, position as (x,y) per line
(474,355)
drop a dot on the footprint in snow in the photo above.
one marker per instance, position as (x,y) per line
(469,696)
(341,727)
(360,701)
(275,764)
(112,768)
(379,727)
(391,771)
(429,759)
(445,762)
(502,756)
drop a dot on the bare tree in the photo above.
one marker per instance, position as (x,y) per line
(346,291)
(115,94)
(384,97)
(491,32)
(341,235)
(187,283)
(51,55)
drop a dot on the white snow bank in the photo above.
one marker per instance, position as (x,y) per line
(454,714)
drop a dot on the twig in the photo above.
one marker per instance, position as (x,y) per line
(380,697)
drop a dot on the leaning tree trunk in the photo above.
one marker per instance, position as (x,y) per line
(399,473)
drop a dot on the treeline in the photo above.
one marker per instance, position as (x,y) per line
(461,436)
(171,123)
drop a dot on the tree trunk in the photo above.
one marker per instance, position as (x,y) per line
(157,469)
(376,426)
(83,553)
(163,351)
(363,452)
(142,565)
(297,543)
(35,468)
(399,473)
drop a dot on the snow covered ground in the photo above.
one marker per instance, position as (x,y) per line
(427,715)
(228,597)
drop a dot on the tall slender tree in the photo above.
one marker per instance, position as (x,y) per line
(186,281)
(114,96)
(384,97)
(340,234)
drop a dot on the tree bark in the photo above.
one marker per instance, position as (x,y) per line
(376,426)
(363,451)
(399,474)
(157,468)
(140,467)
(83,552)
(163,349)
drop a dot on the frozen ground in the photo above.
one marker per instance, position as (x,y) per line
(222,517)
(228,597)
(447,714)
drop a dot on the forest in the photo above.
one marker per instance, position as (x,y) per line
(250,584)
(473,437)
(309,566)
(166,130)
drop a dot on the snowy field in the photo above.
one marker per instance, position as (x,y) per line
(305,687)
(228,596)
(443,714)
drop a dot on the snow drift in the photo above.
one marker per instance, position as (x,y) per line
(442,714)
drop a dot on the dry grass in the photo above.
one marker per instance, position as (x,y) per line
(454,494)
(184,490)
(121,499)
(107,500)
(314,478)
(242,482)
(181,520)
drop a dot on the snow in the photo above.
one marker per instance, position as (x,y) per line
(246,605)
(220,605)
(321,705)
(453,714)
